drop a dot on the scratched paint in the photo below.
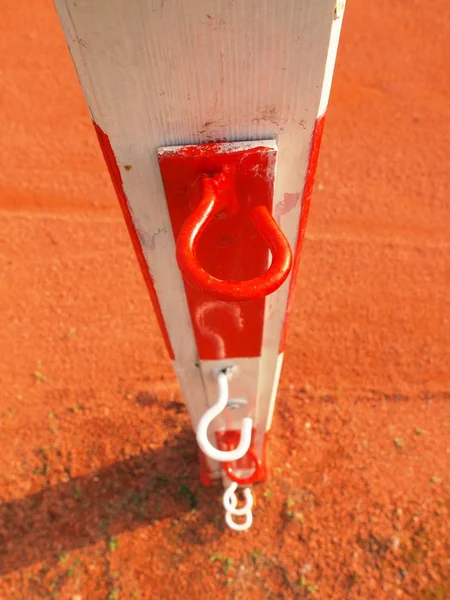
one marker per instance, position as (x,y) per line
(206,317)
(116,178)
(284,207)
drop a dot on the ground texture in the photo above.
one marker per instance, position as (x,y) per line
(99,491)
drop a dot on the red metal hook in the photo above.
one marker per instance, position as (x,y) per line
(244,480)
(218,195)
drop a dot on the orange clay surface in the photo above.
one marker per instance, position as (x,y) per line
(99,489)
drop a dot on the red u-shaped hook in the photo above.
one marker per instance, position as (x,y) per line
(217,194)
(253,477)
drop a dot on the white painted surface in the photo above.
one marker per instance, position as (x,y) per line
(331,56)
(276,304)
(161,73)
(273,385)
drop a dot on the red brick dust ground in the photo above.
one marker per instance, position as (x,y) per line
(100,497)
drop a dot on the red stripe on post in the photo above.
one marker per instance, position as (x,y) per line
(116,178)
(306,201)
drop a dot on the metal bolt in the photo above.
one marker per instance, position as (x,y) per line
(234,403)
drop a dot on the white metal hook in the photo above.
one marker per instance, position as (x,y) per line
(230,503)
(212,412)
(239,526)
(230,500)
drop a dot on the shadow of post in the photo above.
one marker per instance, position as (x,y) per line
(123,496)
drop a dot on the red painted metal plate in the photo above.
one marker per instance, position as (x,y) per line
(230,248)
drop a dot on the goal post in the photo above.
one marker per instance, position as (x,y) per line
(210,114)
